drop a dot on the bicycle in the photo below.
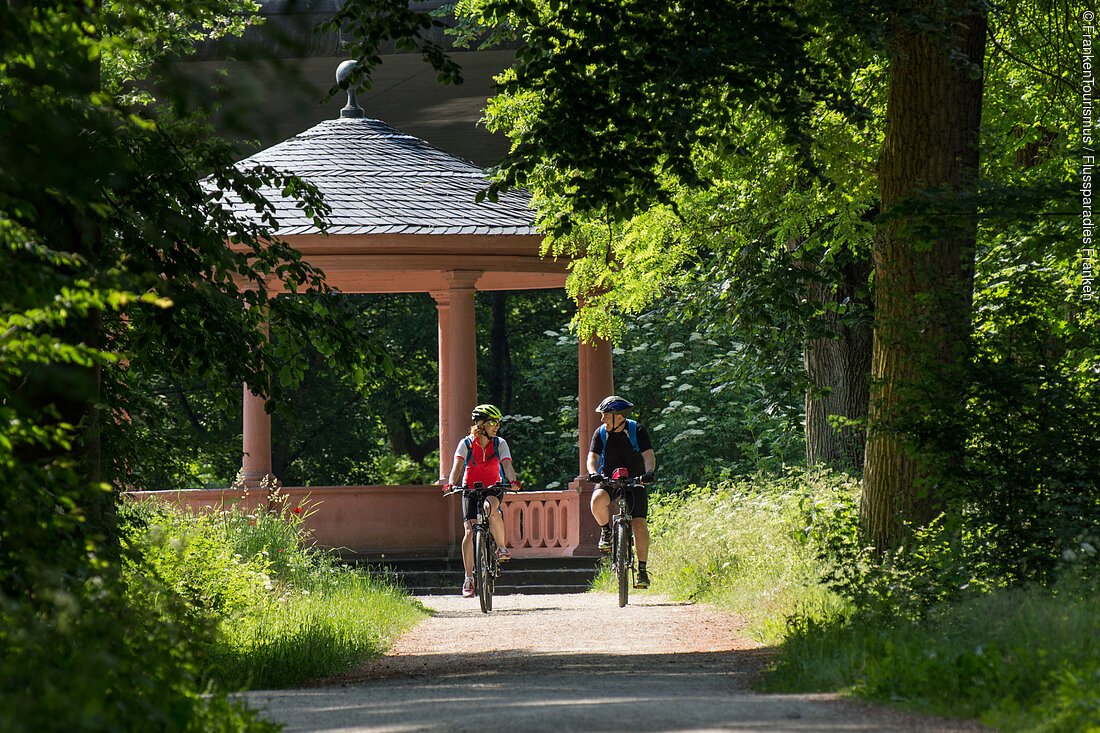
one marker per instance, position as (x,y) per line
(622,533)
(486,565)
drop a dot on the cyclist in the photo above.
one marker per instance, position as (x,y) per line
(622,443)
(482,457)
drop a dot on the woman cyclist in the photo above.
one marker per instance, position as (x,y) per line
(484,458)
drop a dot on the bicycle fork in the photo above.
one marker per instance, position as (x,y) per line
(627,532)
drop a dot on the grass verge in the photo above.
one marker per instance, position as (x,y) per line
(269,610)
(341,621)
(742,546)
(1021,659)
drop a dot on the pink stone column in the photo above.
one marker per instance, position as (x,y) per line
(256,461)
(457,372)
(583,399)
(443,310)
(457,361)
(256,425)
(595,380)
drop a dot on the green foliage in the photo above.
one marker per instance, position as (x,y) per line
(757,199)
(777,251)
(741,545)
(541,415)
(619,97)
(544,451)
(277,612)
(110,654)
(1032,448)
(1033,451)
(337,621)
(114,240)
(401,470)
(385,407)
(712,411)
(145,33)
(385,404)
(370,23)
(1022,659)
(1022,494)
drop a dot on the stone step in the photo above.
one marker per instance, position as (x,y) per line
(443,576)
(437,563)
(503,590)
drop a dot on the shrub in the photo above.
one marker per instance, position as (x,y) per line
(99,658)
(742,545)
(273,610)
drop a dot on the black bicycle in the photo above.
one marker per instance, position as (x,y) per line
(486,565)
(622,529)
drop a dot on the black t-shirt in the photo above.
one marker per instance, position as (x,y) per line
(620,453)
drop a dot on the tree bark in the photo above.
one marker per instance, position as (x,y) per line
(838,367)
(923,258)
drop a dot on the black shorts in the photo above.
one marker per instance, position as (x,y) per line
(469,506)
(637,499)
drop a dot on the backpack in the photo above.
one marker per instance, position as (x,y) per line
(631,432)
(470,454)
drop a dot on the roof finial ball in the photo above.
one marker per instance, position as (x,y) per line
(352,108)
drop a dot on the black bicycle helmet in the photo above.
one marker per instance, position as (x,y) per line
(615,404)
(485,412)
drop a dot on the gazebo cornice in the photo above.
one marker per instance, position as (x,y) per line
(388,263)
(411,244)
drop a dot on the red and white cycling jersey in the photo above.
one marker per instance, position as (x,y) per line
(484,465)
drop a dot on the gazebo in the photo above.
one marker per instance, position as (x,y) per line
(404,220)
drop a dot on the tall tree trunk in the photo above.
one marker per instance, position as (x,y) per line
(923,258)
(500,357)
(838,368)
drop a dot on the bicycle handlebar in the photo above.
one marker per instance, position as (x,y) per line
(500,485)
(599,478)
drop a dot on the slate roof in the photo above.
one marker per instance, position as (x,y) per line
(379,180)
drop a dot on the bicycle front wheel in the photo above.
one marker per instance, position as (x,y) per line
(622,561)
(483,569)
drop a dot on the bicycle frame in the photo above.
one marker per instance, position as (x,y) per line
(486,565)
(622,547)
(622,542)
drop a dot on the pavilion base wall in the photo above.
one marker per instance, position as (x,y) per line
(405,521)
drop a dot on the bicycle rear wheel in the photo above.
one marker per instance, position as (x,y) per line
(483,569)
(622,560)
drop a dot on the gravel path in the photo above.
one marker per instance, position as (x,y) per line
(558,663)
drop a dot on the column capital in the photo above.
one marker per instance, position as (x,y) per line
(456,281)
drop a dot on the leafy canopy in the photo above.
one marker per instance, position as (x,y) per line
(619,96)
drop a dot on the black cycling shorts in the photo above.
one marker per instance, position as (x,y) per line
(469,506)
(637,499)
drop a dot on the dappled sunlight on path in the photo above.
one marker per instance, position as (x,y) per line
(571,663)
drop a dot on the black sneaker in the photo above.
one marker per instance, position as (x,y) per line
(641,580)
(605,539)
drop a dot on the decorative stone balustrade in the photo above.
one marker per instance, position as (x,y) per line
(542,523)
(404,520)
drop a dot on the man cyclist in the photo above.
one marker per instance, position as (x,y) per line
(622,443)
(484,458)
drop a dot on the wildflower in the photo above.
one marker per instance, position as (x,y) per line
(297,510)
